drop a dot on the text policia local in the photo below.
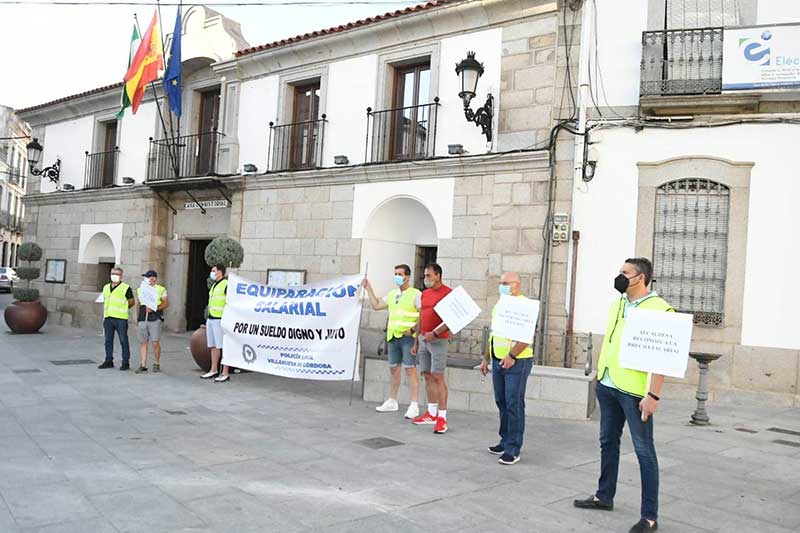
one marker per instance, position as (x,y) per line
(278,300)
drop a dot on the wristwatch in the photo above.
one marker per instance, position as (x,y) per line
(512,356)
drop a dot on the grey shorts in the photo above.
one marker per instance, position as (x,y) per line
(432,356)
(214,332)
(400,352)
(148,331)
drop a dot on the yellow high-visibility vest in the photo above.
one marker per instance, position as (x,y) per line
(216,298)
(403,312)
(627,380)
(115,304)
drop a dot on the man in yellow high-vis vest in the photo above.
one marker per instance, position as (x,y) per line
(148,327)
(511,362)
(404,303)
(623,396)
(217,297)
(117,299)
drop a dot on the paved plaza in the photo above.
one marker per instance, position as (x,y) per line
(85,450)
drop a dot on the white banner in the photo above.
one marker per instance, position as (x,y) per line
(656,342)
(515,318)
(457,309)
(148,296)
(761,57)
(307,331)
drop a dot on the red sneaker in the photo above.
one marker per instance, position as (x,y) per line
(441,426)
(425,419)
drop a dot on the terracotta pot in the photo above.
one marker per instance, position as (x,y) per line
(25,317)
(200,350)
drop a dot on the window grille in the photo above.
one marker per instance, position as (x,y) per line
(690,247)
(686,14)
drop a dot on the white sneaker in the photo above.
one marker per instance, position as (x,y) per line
(412,412)
(388,405)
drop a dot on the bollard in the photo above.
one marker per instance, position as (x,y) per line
(700,416)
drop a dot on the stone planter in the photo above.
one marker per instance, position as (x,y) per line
(200,350)
(25,317)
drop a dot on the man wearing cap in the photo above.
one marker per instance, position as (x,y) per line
(148,327)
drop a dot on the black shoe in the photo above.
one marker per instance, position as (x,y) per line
(643,525)
(496,450)
(125,366)
(142,369)
(508,459)
(593,503)
(106,364)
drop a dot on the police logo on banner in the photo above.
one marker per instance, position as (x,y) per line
(248,354)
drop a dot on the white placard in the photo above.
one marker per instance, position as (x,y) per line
(656,342)
(148,296)
(457,309)
(307,332)
(207,204)
(515,318)
(761,57)
(99,299)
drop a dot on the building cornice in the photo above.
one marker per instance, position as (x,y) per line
(464,166)
(131,192)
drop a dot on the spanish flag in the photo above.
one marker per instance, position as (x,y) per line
(149,59)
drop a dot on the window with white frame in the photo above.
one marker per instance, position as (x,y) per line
(690,247)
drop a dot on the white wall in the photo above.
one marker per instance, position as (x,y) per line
(391,237)
(351,89)
(620,24)
(452,127)
(134,142)
(97,241)
(67,140)
(606,218)
(258,106)
(778,11)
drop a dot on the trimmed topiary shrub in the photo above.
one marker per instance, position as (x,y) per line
(29,252)
(224,251)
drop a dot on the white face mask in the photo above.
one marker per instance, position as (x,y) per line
(115,278)
(213,275)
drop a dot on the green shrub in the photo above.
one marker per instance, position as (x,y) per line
(30,251)
(26,295)
(28,273)
(224,251)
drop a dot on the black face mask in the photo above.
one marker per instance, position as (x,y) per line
(621,283)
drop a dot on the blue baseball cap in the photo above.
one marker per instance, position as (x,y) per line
(150,274)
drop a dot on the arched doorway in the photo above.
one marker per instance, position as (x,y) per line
(400,230)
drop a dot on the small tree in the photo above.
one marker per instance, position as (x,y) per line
(224,251)
(29,252)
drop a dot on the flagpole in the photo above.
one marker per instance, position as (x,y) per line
(158,105)
(358,339)
(163,47)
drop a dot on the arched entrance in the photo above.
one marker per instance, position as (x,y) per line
(400,230)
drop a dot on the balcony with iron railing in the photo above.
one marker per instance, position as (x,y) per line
(296,146)
(402,133)
(185,156)
(681,62)
(13,176)
(101,169)
(5,219)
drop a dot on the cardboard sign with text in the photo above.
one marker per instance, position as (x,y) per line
(148,296)
(457,309)
(656,342)
(515,318)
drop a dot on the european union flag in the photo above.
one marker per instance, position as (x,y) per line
(172,77)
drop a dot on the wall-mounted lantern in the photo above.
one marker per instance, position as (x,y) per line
(470,71)
(34,153)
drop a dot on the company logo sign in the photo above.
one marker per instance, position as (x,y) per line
(757,50)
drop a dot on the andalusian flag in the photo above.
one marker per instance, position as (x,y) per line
(135,40)
(149,59)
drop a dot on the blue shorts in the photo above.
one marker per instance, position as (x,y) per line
(400,352)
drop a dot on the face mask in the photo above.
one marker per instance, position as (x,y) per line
(115,278)
(398,280)
(213,276)
(428,283)
(621,283)
(504,289)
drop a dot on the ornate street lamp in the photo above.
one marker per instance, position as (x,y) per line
(470,71)
(34,153)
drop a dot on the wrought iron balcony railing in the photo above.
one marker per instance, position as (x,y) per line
(681,62)
(184,157)
(14,176)
(296,146)
(401,133)
(101,169)
(5,219)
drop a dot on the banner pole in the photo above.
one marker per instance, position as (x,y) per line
(358,341)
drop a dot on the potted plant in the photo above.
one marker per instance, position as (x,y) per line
(27,314)
(220,251)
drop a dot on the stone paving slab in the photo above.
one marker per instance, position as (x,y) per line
(90,450)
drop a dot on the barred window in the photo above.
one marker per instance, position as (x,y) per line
(686,14)
(690,247)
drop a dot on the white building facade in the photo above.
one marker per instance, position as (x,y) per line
(13,180)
